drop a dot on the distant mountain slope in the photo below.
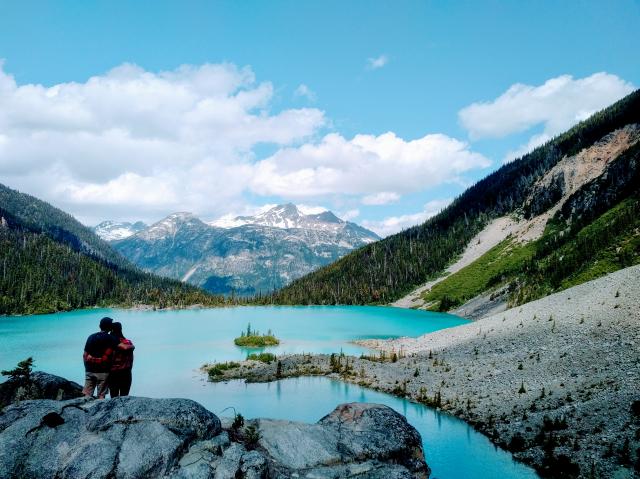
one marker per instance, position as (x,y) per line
(250,255)
(39,216)
(113,230)
(50,262)
(386,270)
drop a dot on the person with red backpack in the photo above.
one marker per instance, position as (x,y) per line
(120,373)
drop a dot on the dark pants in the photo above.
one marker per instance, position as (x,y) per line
(120,382)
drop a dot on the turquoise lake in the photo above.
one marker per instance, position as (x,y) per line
(172,345)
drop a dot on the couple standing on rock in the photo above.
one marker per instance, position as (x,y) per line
(108,359)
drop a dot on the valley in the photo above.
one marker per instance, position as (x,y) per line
(542,255)
(320,240)
(243,256)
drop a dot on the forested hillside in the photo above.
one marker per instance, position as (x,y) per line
(383,271)
(50,262)
(40,216)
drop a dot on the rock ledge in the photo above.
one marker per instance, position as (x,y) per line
(132,437)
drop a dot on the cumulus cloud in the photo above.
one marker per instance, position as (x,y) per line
(155,141)
(377,62)
(132,144)
(557,105)
(394,224)
(303,91)
(310,209)
(382,198)
(365,165)
(350,214)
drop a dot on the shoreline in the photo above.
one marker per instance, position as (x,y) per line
(551,381)
(150,307)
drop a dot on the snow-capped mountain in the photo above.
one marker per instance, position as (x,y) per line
(169,226)
(114,230)
(286,216)
(258,253)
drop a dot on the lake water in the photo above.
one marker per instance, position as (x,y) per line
(172,345)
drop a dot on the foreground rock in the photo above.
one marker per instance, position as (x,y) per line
(555,381)
(133,437)
(40,385)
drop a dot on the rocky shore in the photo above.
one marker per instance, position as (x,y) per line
(556,381)
(133,437)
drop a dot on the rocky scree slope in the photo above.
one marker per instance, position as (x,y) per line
(561,196)
(131,437)
(592,228)
(247,255)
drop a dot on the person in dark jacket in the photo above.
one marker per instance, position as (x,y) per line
(120,375)
(97,357)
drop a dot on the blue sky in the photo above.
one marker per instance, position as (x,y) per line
(338,68)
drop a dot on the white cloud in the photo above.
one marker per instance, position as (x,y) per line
(557,105)
(349,214)
(228,220)
(310,209)
(303,91)
(394,224)
(382,198)
(132,144)
(152,142)
(377,62)
(365,165)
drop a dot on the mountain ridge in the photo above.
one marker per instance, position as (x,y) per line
(385,271)
(251,256)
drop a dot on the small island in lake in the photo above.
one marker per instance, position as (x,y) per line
(253,339)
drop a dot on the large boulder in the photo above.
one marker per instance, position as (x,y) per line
(131,437)
(122,437)
(40,385)
(355,440)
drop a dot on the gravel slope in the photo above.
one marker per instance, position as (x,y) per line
(553,380)
(496,231)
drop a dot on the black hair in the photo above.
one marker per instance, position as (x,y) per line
(116,330)
(106,323)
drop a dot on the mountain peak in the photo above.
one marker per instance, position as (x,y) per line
(170,225)
(180,215)
(328,217)
(288,207)
(286,216)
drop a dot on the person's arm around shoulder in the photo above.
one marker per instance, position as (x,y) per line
(86,357)
(126,345)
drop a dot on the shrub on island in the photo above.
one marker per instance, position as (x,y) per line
(253,339)
(262,357)
(218,369)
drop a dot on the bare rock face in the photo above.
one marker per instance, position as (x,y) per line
(122,437)
(40,385)
(131,437)
(377,432)
(355,440)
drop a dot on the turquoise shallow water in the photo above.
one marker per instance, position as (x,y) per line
(172,345)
